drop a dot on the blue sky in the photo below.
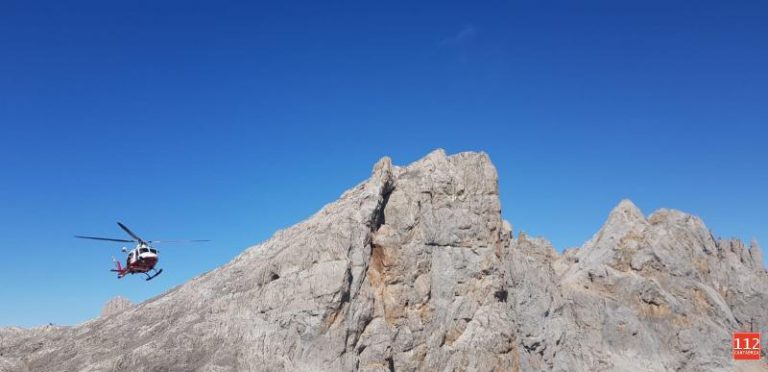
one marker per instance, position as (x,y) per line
(228,120)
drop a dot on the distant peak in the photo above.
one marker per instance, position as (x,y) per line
(667,215)
(757,254)
(437,153)
(625,219)
(625,211)
(116,305)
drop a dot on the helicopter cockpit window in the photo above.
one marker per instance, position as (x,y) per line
(152,250)
(143,250)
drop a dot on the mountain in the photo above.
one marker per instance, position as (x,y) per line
(116,305)
(415,270)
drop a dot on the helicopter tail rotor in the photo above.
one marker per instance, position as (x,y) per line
(118,268)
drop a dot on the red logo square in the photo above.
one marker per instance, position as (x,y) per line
(746,345)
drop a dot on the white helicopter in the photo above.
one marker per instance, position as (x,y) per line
(141,259)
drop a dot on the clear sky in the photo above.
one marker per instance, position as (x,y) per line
(227,121)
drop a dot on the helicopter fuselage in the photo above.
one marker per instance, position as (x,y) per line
(141,259)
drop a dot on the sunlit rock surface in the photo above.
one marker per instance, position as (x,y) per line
(414,270)
(116,306)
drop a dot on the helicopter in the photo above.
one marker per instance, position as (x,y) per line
(141,259)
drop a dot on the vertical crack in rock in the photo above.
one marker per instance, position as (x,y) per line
(378,217)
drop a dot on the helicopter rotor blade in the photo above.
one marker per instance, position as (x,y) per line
(179,241)
(131,233)
(107,239)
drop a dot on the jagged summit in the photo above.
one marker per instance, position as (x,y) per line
(757,253)
(626,211)
(116,305)
(414,269)
(625,218)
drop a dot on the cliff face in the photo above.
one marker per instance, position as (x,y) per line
(414,269)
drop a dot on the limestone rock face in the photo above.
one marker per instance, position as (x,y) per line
(663,290)
(115,306)
(414,270)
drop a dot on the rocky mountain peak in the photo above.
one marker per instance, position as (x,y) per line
(414,269)
(624,220)
(757,254)
(626,212)
(116,305)
(620,237)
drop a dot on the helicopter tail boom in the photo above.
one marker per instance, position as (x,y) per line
(118,269)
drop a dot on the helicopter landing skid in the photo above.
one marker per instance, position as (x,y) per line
(157,272)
